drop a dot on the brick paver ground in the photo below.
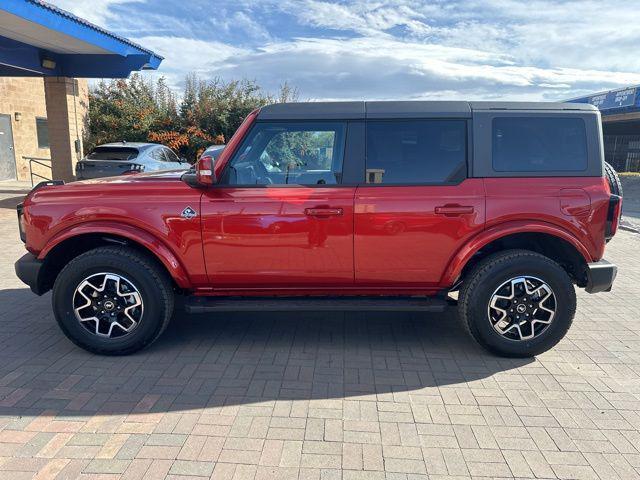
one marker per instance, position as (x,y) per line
(310,396)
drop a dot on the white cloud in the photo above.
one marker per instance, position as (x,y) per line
(95,11)
(539,49)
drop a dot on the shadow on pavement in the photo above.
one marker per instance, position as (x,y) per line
(233,359)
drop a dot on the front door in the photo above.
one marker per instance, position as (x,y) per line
(7,156)
(417,207)
(279,216)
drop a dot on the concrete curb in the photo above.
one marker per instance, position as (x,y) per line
(629,227)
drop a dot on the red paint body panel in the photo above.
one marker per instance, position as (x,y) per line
(142,208)
(400,240)
(548,200)
(272,237)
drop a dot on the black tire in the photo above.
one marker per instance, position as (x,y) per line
(488,275)
(614,180)
(153,285)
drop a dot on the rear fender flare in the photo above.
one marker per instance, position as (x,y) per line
(149,241)
(457,264)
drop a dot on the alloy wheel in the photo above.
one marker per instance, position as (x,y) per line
(522,308)
(108,305)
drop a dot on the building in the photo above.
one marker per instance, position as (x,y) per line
(44,53)
(25,127)
(620,111)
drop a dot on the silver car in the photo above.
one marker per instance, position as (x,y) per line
(213,151)
(112,159)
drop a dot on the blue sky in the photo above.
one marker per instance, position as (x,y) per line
(405,49)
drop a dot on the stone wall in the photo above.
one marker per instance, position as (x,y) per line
(26,96)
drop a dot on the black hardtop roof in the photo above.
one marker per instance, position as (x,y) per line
(401,109)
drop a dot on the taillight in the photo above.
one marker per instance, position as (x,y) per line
(204,170)
(133,169)
(613,216)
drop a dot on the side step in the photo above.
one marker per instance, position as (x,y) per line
(314,304)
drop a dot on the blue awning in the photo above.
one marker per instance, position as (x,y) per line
(39,39)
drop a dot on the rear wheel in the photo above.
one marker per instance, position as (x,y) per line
(517,303)
(112,300)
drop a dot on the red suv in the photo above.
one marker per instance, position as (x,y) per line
(500,208)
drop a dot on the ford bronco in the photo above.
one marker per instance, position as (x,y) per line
(498,208)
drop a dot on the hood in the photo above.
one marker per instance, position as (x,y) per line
(165,175)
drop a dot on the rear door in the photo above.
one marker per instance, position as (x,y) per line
(280,215)
(417,207)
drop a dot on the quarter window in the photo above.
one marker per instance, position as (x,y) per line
(416,151)
(289,153)
(534,144)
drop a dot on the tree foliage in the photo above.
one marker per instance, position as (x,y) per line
(207,111)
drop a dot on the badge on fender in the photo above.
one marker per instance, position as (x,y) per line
(189,212)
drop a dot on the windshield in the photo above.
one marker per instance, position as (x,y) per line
(113,153)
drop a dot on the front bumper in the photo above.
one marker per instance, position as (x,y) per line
(29,270)
(600,276)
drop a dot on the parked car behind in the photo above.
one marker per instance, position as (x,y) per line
(112,159)
(213,151)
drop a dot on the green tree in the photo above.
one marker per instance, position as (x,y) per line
(209,111)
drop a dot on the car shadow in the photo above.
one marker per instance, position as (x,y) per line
(233,360)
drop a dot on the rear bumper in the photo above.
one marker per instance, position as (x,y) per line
(29,270)
(600,276)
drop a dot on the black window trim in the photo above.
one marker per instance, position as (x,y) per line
(291,185)
(468,156)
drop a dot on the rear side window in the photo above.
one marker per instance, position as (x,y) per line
(416,151)
(110,153)
(536,144)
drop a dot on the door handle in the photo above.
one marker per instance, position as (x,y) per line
(454,210)
(323,212)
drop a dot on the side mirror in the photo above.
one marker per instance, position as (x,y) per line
(204,171)
(183,160)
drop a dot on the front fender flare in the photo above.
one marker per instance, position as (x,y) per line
(149,241)
(456,265)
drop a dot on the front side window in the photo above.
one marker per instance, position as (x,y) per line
(276,153)
(416,151)
(535,144)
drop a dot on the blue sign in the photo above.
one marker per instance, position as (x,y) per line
(625,97)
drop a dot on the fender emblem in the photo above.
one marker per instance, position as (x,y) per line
(189,212)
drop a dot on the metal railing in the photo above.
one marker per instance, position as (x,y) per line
(623,152)
(40,162)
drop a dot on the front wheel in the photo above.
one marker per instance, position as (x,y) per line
(112,300)
(517,303)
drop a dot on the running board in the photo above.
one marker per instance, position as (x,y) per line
(314,304)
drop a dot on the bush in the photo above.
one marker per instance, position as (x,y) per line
(139,110)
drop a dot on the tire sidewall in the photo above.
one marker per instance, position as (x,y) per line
(76,272)
(552,275)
